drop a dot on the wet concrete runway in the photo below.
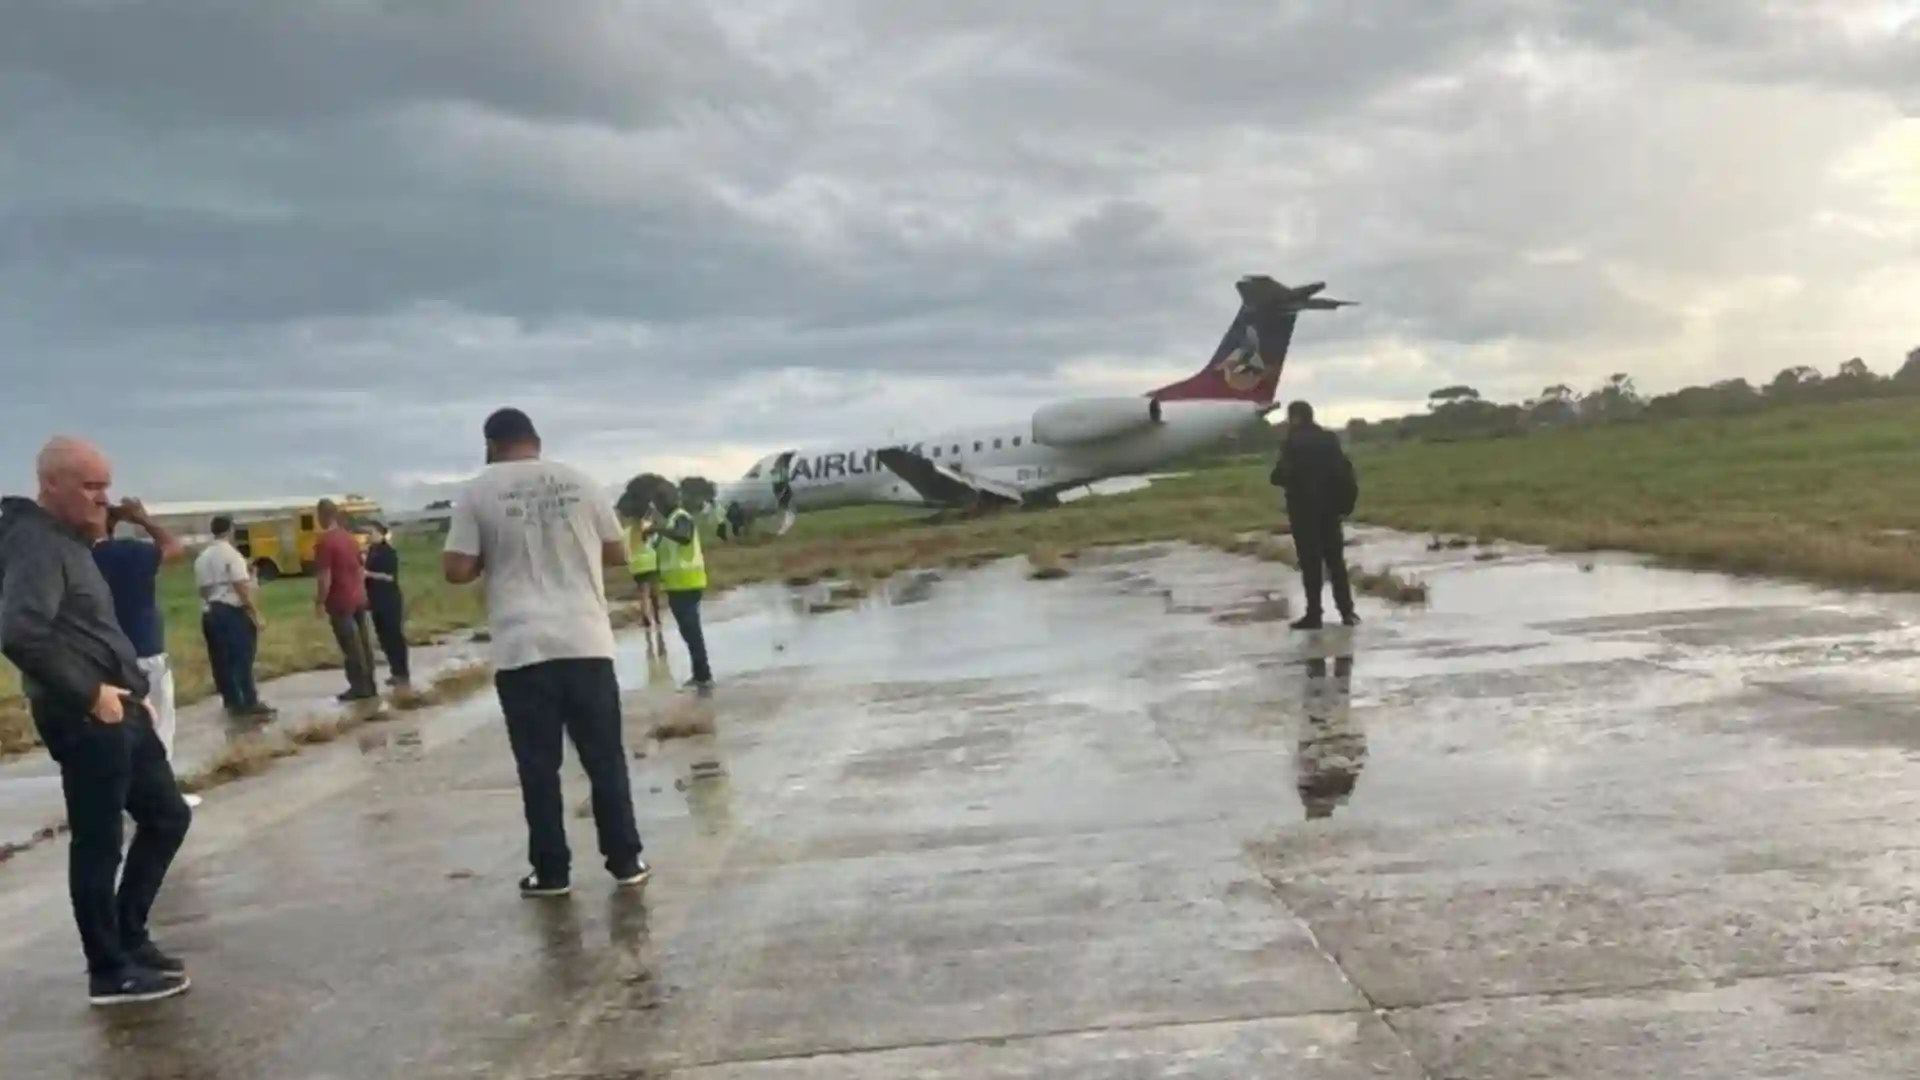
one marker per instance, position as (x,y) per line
(1618,823)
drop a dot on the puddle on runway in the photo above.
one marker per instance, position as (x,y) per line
(1515,669)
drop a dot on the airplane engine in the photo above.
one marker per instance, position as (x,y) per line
(1072,423)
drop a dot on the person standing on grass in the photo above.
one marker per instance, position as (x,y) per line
(387,605)
(132,570)
(231,620)
(88,695)
(683,574)
(1321,490)
(340,597)
(539,536)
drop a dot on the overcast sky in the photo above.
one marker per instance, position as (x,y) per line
(259,248)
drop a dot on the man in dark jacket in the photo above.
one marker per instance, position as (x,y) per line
(387,604)
(1321,489)
(87,693)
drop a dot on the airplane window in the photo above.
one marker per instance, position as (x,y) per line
(936,451)
(1016,440)
(956,448)
(977,446)
(997,444)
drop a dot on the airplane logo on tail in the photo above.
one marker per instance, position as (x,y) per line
(1244,367)
(1241,368)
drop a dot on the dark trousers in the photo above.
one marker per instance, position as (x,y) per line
(1321,543)
(685,605)
(582,699)
(232,642)
(355,638)
(106,769)
(390,626)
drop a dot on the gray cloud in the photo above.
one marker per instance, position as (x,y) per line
(264,247)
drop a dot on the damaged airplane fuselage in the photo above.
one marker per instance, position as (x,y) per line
(1058,447)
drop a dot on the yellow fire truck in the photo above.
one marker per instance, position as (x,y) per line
(282,545)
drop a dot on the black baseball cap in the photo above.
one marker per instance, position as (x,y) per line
(509,425)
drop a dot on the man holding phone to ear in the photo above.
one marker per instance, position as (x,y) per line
(88,695)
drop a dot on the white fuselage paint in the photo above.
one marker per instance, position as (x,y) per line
(1005,455)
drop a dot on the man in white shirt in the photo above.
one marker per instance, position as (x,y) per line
(231,620)
(539,535)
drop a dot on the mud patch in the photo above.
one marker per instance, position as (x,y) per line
(1267,609)
(683,721)
(915,587)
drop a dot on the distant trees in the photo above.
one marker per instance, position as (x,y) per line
(639,494)
(696,492)
(1557,404)
(1909,373)
(1460,412)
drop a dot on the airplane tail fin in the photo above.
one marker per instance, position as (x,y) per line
(1246,365)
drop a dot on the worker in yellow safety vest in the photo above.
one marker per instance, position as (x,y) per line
(643,562)
(683,576)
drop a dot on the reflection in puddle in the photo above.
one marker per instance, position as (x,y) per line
(1333,745)
(709,797)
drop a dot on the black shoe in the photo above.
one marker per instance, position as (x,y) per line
(1307,622)
(703,687)
(135,984)
(150,957)
(533,885)
(357,695)
(1349,619)
(259,711)
(633,874)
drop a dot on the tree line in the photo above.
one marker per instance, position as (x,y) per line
(696,492)
(1459,412)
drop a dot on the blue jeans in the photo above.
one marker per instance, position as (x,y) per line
(685,605)
(105,770)
(232,641)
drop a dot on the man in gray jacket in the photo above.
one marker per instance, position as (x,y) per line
(88,694)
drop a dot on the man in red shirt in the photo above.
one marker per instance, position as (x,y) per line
(342,599)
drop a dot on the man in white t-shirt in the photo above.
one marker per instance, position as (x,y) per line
(230,618)
(539,536)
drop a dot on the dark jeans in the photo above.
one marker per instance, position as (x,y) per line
(232,641)
(390,626)
(685,606)
(581,698)
(105,769)
(355,637)
(1321,543)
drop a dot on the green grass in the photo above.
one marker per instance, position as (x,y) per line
(1821,492)
(294,639)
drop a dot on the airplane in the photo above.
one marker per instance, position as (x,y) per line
(1030,462)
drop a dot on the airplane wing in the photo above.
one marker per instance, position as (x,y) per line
(937,483)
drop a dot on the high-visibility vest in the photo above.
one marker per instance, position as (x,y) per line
(682,566)
(641,556)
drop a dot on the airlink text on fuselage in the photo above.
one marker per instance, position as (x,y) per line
(824,467)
